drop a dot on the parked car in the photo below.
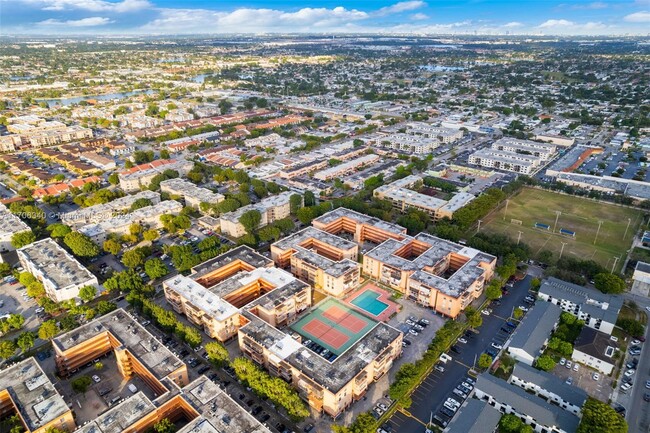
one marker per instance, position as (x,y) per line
(562,361)
(497,346)
(596,376)
(568,364)
(439,368)
(569,381)
(462,340)
(459,393)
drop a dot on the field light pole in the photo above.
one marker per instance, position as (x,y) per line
(600,223)
(519,237)
(479,226)
(614,265)
(629,220)
(506,210)
(557,216)
(562,250)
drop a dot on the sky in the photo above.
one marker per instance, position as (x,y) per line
(169,17)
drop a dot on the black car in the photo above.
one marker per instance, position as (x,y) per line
(407,342)
(257,410)
(280,427)
(265,417)
(241,396)
(454,349)
(203,369)
(506,330)
(250,402)
(646,396)
(447,412)
(184,353)
(308,428)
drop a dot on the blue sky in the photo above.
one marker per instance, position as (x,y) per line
(159,17)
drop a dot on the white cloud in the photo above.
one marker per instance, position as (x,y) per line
(556,23)
(419,17)
(638,17)
(594,5)
(91,5)
(401,7)
(513,24)
(84,22)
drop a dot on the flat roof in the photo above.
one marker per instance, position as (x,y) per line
(201,297)
(142,344)
(360,218)
(38,401)
(106,210)
(56,264)
(10,223)
(187,188)
(242,252)
(263,206)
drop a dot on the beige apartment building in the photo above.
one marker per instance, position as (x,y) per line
(135,178)
(271,209)
(192,194)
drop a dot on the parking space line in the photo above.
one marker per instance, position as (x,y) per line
(408,414)
(463,364)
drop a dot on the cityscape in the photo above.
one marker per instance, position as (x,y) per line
(272,217)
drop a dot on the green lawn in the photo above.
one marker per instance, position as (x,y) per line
(580,215)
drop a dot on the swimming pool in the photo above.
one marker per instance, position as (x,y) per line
(368,301)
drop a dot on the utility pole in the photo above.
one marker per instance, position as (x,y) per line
(600,223)
(479,226)
(519,237)
(557,216)
(614,265)
(629,220)
(506,210)
(562,250)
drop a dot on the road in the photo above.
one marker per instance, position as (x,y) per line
(436,387)
(638,410)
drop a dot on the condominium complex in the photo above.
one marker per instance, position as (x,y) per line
(431,271)
(38,132)
(10,224)
(148,217)
(271,209)
(192,194)
(61,274)
(509,154)
(157,381)
(105,211)
(26,391)
(598,310)
(135,178)
(402,193)
(363,228)
(346,167)
(326,261)
(417,137)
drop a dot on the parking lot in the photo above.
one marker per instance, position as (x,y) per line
(583,378)
(14,300)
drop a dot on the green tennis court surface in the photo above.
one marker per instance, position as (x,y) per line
(334,326)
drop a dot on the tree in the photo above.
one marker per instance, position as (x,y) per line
(164,426)
(295,203)
(599,417)
(87,293)
(474,319)
(250,220)
(114,179)
(140,203)
(133,258)
(309,198)
(493,290)
(150,235)
(306,214)
(26,341)
(48,330)
(80,385)
(269,233)
(15,321)
(609,283)
(631,326)
(7,349)
(518,313)
(484,361)
(155,268)
(98,365)
(58,230)
(81,245)
(20,239)
(35,290)
(545,363)
(217,353)
(104,307)
(512,424)
(112,246)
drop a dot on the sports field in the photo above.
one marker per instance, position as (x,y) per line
(574,214)
(334,325)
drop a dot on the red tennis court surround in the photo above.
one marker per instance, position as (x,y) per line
(345,319)
(326,333)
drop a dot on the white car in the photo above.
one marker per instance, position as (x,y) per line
(485,312)
(625,387)
(630,373)
(569,364)
(497,346)
(462,340)
(562,361)
(576,367)
(647,384)
(412,332)
(96,378)
(410,322)
(635,342)
(596,376)
(453,402)
(647,308)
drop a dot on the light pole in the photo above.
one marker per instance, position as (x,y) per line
(479,226)
(629,220)
(614,265)
(600,223)
(562,250)
(519,237)
(557,216)
(505,212)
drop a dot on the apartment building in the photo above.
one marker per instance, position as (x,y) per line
(503,160)
(641,277)
(402,194)
(26,391)
(148,216)
(364,229)
(99,161)
(346,167)
(63,188)
(101,212)
(531,409)
(544,151)
(271,209)
(10,224)
(595,349)
(133,179)
(433,272)
(325,261)
(598,310)
(531,336)
(192,194)
(58,136)
(60,273)
(549,387)
(417,137)
(474,416)
(328,387)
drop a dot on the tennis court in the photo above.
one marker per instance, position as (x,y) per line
(334,326)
